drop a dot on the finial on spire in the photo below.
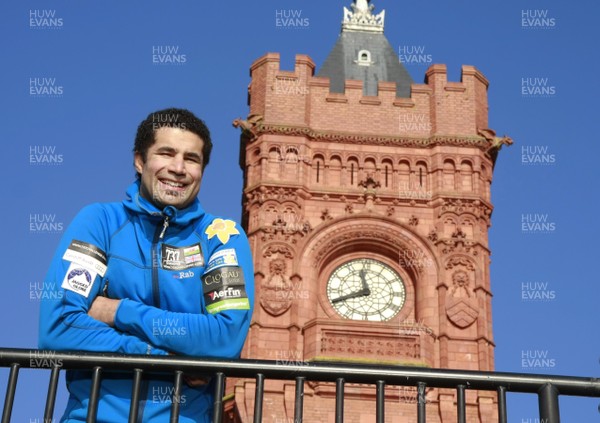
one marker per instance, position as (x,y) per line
(361,18)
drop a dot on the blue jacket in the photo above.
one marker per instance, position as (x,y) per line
(186,284)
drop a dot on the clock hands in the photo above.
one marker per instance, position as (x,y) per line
(362,293)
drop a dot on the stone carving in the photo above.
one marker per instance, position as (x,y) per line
(496,143)
(249,125)
(278,249)
(413,221)
(460,206)
(274,295)
(461,307)
(425,142)
(262,194)
(361,18)
(390,211)
(459,261)
(325,216)
(370,346)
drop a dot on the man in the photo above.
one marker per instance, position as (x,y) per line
(154,274)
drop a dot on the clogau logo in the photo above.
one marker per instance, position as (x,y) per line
(44,223)
(537,359)
(537,223)
(537,291)
(414,122)
(166,394)
(167,55)
(414,191)
(291,18)
(44,155)
(44,19)
(44,291)
(289,86)
(44,359)
(537,87)
(537,155)
(168,327)
(414,55)
(45,88)
(537,19)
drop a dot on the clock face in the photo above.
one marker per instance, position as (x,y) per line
(366,289)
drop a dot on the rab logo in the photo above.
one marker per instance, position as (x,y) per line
(184,275)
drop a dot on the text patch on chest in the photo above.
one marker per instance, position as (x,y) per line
(181,258)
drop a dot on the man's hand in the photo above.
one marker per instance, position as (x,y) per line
(104,310)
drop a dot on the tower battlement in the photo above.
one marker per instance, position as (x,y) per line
(436,107)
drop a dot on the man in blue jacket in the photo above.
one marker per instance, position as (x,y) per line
(154,274)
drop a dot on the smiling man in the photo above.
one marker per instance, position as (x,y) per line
(154,274)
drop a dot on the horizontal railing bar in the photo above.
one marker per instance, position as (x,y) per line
(320,371)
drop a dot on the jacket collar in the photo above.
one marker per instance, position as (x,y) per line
(138,204)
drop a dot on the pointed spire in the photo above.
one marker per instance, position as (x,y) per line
(361,18)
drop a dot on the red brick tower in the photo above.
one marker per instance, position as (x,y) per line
(367,205)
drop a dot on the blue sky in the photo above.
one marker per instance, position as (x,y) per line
(96,56)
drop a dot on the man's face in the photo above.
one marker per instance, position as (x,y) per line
(172,171)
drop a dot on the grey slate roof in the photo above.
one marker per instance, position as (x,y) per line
(340,64)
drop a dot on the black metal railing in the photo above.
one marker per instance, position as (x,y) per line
(547,387)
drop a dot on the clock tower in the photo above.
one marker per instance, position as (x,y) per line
(367,205)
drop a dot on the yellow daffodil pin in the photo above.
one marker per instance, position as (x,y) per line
(223,229)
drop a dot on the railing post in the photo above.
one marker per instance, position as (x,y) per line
(219,390)
(460,404)
(339,400)
(135,395)
(299,403)
(10,393)
(258,397)
(51,397)
(92,410)
(176,400)
(548,402)
(380,402)
(502,414)
(421,402)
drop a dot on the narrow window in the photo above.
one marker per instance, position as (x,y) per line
(386,176)
(352,174)
(318,170)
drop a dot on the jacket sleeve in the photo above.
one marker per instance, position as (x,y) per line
(70,287)
(218,332)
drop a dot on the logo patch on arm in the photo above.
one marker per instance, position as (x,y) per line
(79,279)
(181,258)
(223,229)
(88,256)
(224,289)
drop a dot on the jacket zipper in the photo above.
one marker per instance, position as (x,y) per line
(158,236)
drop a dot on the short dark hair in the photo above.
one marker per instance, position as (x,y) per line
(172,118)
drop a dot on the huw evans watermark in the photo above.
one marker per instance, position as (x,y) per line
(168,55)
(39,291)
(46,223)
(537,87)
(537,223)
(414,55)
(291,19)
(537,359)
(45,87)
(45,155)
(45,19)
(168,327)
(537,19)
(537,291)
(537,155)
